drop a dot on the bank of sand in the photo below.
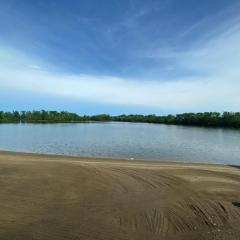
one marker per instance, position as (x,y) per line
(54,198)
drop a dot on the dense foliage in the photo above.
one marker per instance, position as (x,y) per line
(212,119)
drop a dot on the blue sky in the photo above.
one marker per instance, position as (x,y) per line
(125,56)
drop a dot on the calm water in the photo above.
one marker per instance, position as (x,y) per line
(125,140)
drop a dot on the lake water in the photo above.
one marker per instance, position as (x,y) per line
(125,140)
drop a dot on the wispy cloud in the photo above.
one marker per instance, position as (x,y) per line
(206,75)
(217,90)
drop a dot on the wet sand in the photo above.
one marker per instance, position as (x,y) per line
(56,197)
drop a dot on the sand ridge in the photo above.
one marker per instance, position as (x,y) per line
(58,197)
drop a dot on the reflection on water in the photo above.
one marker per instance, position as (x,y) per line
(125,140)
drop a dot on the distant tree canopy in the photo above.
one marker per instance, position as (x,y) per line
(207,119)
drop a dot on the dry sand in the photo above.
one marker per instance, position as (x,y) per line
(54,198)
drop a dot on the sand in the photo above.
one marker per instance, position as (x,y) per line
(55,197)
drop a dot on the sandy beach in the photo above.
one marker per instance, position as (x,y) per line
(56,197)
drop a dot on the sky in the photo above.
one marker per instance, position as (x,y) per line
(120,56)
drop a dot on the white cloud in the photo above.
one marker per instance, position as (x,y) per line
(217,88)
(35,66)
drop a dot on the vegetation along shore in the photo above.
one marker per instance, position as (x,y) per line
(206,119)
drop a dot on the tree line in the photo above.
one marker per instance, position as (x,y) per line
(206,119)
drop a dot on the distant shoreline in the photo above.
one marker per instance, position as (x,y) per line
(205,119)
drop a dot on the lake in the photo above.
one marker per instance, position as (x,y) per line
(125,140)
